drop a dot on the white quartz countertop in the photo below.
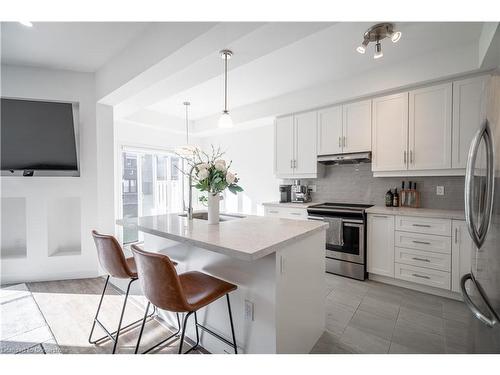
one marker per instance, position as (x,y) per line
(290,204)
(423,212)
(247,238)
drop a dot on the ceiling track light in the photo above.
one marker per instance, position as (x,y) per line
(225,120)
(26,23)
(375,34)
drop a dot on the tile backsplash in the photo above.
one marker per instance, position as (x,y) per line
(354,183)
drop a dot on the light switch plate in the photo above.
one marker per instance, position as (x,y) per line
(440,190)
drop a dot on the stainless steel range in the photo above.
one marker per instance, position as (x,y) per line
(345,237)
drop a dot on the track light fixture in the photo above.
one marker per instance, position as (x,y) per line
(375,34)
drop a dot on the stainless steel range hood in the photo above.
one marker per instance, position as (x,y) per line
(353,158)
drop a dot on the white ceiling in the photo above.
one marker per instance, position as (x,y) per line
(78,46)
(324,56)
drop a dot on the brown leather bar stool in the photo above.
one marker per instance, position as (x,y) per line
(184,293)
(113,261)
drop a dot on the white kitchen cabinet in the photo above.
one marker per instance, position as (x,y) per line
(462,246)
(429,138)
(380,246)
(330,130)
(295,146)
(390,133)
(356,133)
(467,116)
(305,160)
(286,212)
(284,145)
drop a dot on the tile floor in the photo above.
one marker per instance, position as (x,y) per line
(371,317)
(362,317)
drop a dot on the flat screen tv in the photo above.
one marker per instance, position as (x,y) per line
(38,138)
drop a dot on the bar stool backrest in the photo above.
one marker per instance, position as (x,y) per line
(111,256)
(159,280)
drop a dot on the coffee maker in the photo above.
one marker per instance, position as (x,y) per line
(300,193)
(285,193)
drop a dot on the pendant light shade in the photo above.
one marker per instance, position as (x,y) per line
(225,120)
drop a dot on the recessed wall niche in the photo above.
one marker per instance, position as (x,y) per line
(13,228)
(64,226)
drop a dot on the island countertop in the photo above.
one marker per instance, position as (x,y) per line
(247,238)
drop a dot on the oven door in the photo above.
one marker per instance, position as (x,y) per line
(352,248)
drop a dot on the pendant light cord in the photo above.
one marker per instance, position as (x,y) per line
(225,83)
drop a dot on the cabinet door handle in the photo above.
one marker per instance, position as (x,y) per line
(295,164)
(291,164)
(380,216)
(340,141)
(404,156)
(345,141)
(411,156)
(422,225)
(421,276)
(421,259)
(456,235)
(421,242)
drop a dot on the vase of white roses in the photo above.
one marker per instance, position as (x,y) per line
(213,176)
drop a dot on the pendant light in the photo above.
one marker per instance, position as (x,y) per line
(187,149)
(225,120)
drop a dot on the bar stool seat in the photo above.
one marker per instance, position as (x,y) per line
(201,289)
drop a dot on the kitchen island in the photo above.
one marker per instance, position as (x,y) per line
(277,264)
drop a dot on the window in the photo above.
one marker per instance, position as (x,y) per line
(152,184)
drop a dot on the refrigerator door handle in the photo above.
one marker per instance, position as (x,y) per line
(478,234)
(494,319)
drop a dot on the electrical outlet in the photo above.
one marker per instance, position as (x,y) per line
(439,190)
(312,188)
(249,310)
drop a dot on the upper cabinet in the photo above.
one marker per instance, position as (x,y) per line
(284,145)
(345,128)
(295,146)
(356,129)
(467,116)
(429,135)
(330,131)
(390,133)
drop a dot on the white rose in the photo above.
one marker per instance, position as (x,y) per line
(202,166)
(220,165)
(230,178)
(202,174)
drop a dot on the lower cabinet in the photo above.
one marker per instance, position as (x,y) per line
(426,251)
(462,247)
(286,212)
(380,250)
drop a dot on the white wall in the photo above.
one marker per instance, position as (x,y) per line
(252,153)
(42,193)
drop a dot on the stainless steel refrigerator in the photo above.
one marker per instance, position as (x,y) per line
(481,287)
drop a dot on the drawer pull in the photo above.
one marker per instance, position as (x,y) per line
(421,259)
(421,276)
(380,216)
(295,213)
(422,225)
(421,242)
(273,212)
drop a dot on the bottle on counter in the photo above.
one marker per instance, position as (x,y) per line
(403,196)
(395,198)
(388,198)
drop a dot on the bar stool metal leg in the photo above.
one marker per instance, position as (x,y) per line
(197,334)
(232,326)
(184,331)
(175,334)
(113,335)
